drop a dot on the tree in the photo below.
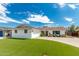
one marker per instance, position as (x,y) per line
(72,29)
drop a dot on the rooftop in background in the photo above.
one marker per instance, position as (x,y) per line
(6,28)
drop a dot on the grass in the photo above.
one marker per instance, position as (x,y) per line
(16,47)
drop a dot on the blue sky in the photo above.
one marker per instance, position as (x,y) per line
(39,14)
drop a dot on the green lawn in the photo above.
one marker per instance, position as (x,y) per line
(29,47)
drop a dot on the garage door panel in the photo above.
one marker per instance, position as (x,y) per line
(1,33)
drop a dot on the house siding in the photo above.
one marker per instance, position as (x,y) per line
(31,33)
(35,34)
(62,32)
(21,34)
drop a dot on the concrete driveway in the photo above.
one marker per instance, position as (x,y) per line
(74,41)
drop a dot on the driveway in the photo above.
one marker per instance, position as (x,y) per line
(74,41)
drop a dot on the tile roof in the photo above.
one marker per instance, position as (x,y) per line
(22,26)
(52,28)
(5,28)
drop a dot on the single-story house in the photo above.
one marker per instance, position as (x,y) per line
(26,31)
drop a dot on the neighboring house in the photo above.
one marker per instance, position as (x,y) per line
(5,32)
(53,31)
(26,31)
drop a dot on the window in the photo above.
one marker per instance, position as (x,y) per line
(15,31)
(46,33)
(56,33)
(42,33)
(25,31)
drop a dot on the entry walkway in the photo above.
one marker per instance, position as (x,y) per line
(74,41)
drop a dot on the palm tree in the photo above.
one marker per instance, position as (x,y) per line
(72,29)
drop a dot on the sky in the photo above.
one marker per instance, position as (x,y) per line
(39,14)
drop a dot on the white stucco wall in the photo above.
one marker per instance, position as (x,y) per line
(35,33)
(62,32)
(50,31)
(20,34)
(32,33)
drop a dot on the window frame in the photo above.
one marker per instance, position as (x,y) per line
(25,31)
(16,31)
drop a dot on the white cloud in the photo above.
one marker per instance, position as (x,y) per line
(25,21)
(11,20)
(2,10)
(1,21)
(7,19)
(52,25)
(68,19)
(39,18)
(72,6)
(72,22)
(61,4)
(3,17)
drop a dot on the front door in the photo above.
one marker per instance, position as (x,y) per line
(46,33)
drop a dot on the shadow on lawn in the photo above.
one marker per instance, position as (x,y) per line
(24,38)
(20,38)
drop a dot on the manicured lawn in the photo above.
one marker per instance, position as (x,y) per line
(29,47)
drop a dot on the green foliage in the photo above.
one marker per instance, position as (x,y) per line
(71,28)
(42,33)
